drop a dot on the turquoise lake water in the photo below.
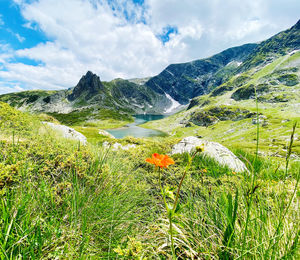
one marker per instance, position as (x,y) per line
(134,130)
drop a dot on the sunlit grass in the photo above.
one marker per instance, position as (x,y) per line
(66,201)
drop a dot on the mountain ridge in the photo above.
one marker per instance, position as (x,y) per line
(178,84)
(184,81)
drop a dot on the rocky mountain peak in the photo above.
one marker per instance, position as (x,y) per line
(90,84)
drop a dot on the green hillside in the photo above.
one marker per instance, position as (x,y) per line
(228,113)
(65,199)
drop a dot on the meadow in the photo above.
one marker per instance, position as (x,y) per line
(63,200)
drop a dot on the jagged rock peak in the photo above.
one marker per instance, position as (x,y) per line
(90,80)
(90,84)
(89,74)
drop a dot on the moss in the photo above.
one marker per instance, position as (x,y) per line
(240,80)
(25,97)
(202,118)
(289,79)
(248,91)
(199,101)
(212,115)
(73,118)
(112,114)
(221,90)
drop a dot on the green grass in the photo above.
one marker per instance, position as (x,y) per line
(294,57)
(266,70)
(91,133)
(28,97)
(89,117)
(65,201)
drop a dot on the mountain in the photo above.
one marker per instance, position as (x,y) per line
(89,85)
(91,92)
(188,80)
(274,47)
(91,99)
(268,80)
(269,68)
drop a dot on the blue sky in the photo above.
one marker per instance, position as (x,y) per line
(49,44)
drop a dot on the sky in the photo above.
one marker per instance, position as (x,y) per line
(50,44)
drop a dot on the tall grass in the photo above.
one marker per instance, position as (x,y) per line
(59,200)
(85,209)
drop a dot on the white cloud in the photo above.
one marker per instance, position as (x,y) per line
(19,37)
(121,41)
(6,88)
(6,52)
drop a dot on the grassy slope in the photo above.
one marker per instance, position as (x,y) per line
(18,98)
(59,200)
(242,134)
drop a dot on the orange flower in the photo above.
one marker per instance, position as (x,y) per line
(160,160)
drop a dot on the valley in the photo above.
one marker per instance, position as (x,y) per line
(201,161)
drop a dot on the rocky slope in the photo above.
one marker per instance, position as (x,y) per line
(188,80)
(92,99)
(228,114)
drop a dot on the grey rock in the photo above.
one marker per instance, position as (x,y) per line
(117,146)
(214,150)
(90,84)
(68,132)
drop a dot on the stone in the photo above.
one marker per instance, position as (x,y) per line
(68,132)
(117,146)
(214,150)
(262,120)
(105,133)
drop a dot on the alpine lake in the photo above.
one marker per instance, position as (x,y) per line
(135,130)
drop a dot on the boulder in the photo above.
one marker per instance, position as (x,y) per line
(214,150)
(68,132)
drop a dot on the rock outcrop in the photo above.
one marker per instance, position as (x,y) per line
(68,132)
(89,85)
(214,150)
(221,113)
